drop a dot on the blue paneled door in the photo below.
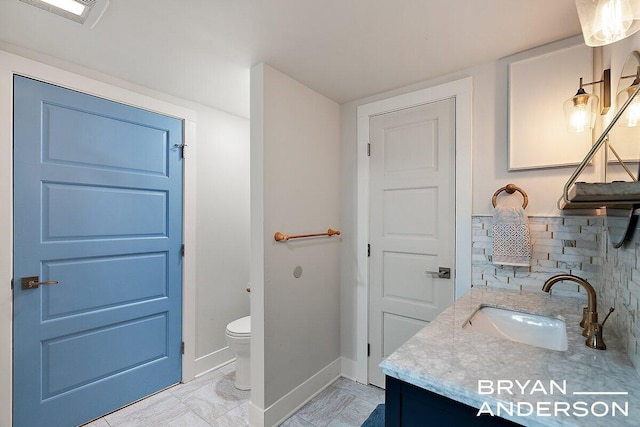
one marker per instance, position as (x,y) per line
(98,209)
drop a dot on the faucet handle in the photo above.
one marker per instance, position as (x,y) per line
(611,310)
(595,340)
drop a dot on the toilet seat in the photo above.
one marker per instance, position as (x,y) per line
(240,328)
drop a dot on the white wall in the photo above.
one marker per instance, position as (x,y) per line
(222,251)
(296,134)
(217,179)
(490,171)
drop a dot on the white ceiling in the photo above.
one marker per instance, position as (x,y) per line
(345,49)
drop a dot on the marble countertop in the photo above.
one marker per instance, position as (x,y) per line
(469,367)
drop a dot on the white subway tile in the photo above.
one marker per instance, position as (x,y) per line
(571,236)
(574,229)
(537,227)
(541,234)
(576,221)
(543,249)
(581,252)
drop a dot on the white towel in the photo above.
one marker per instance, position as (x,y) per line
(511,237)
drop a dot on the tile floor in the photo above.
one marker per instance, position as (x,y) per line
(213,401)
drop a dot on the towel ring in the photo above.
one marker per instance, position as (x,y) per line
(511,188)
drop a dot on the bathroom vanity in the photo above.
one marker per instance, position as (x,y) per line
(410,405)
(450,374)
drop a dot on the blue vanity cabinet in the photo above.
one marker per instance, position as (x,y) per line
(407,405)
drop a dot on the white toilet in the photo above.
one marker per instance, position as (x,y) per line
(239,339)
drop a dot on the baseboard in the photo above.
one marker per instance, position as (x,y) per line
(348,368)
(256,416)
(296,398)
(213,360)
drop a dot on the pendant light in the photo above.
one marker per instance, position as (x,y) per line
(607,21)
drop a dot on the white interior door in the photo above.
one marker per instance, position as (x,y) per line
(412,224)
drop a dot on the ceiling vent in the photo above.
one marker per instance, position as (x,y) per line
(86,12)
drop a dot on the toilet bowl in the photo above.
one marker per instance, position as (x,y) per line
(238,336)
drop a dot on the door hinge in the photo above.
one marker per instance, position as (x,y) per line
(181,147)
(368,249)
(182,250)
(11,284)
(368,350)
(369,149)
(182,347)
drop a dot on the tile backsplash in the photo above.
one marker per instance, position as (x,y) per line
(560,245)
(619,287)
(575,245)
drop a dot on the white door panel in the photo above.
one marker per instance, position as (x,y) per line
(410,212)
(397,330)
(411,267)
(412,223)
(411,148)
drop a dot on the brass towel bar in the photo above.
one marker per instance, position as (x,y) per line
(284,237)
(511,188)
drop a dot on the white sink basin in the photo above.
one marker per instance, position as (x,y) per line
(533,329)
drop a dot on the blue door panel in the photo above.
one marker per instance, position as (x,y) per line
(98,208)
(81,212)
(80,323)
(150,376)
(100,346)
(114,142)
(103,282)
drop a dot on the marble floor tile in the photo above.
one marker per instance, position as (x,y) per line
(237,417)
(187,419)
(97,423)
(354,414)
(182,390)
(296,421)
(325,406)
(212,401)
(369,393)
(157,410)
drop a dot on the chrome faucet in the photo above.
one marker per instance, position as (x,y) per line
(592,329)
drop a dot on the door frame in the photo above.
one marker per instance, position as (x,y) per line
(11,64)
(462,91)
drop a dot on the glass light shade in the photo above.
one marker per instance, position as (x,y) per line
(580,112)
(607,21)
(631,116)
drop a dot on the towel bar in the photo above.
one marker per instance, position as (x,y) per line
(510,188)
(284,237)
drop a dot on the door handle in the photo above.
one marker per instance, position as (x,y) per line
(442,273)
(33,282)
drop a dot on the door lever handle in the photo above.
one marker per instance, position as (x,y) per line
(442,273)
(33,282)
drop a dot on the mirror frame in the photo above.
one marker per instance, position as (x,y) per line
(627,74)
(624,215)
